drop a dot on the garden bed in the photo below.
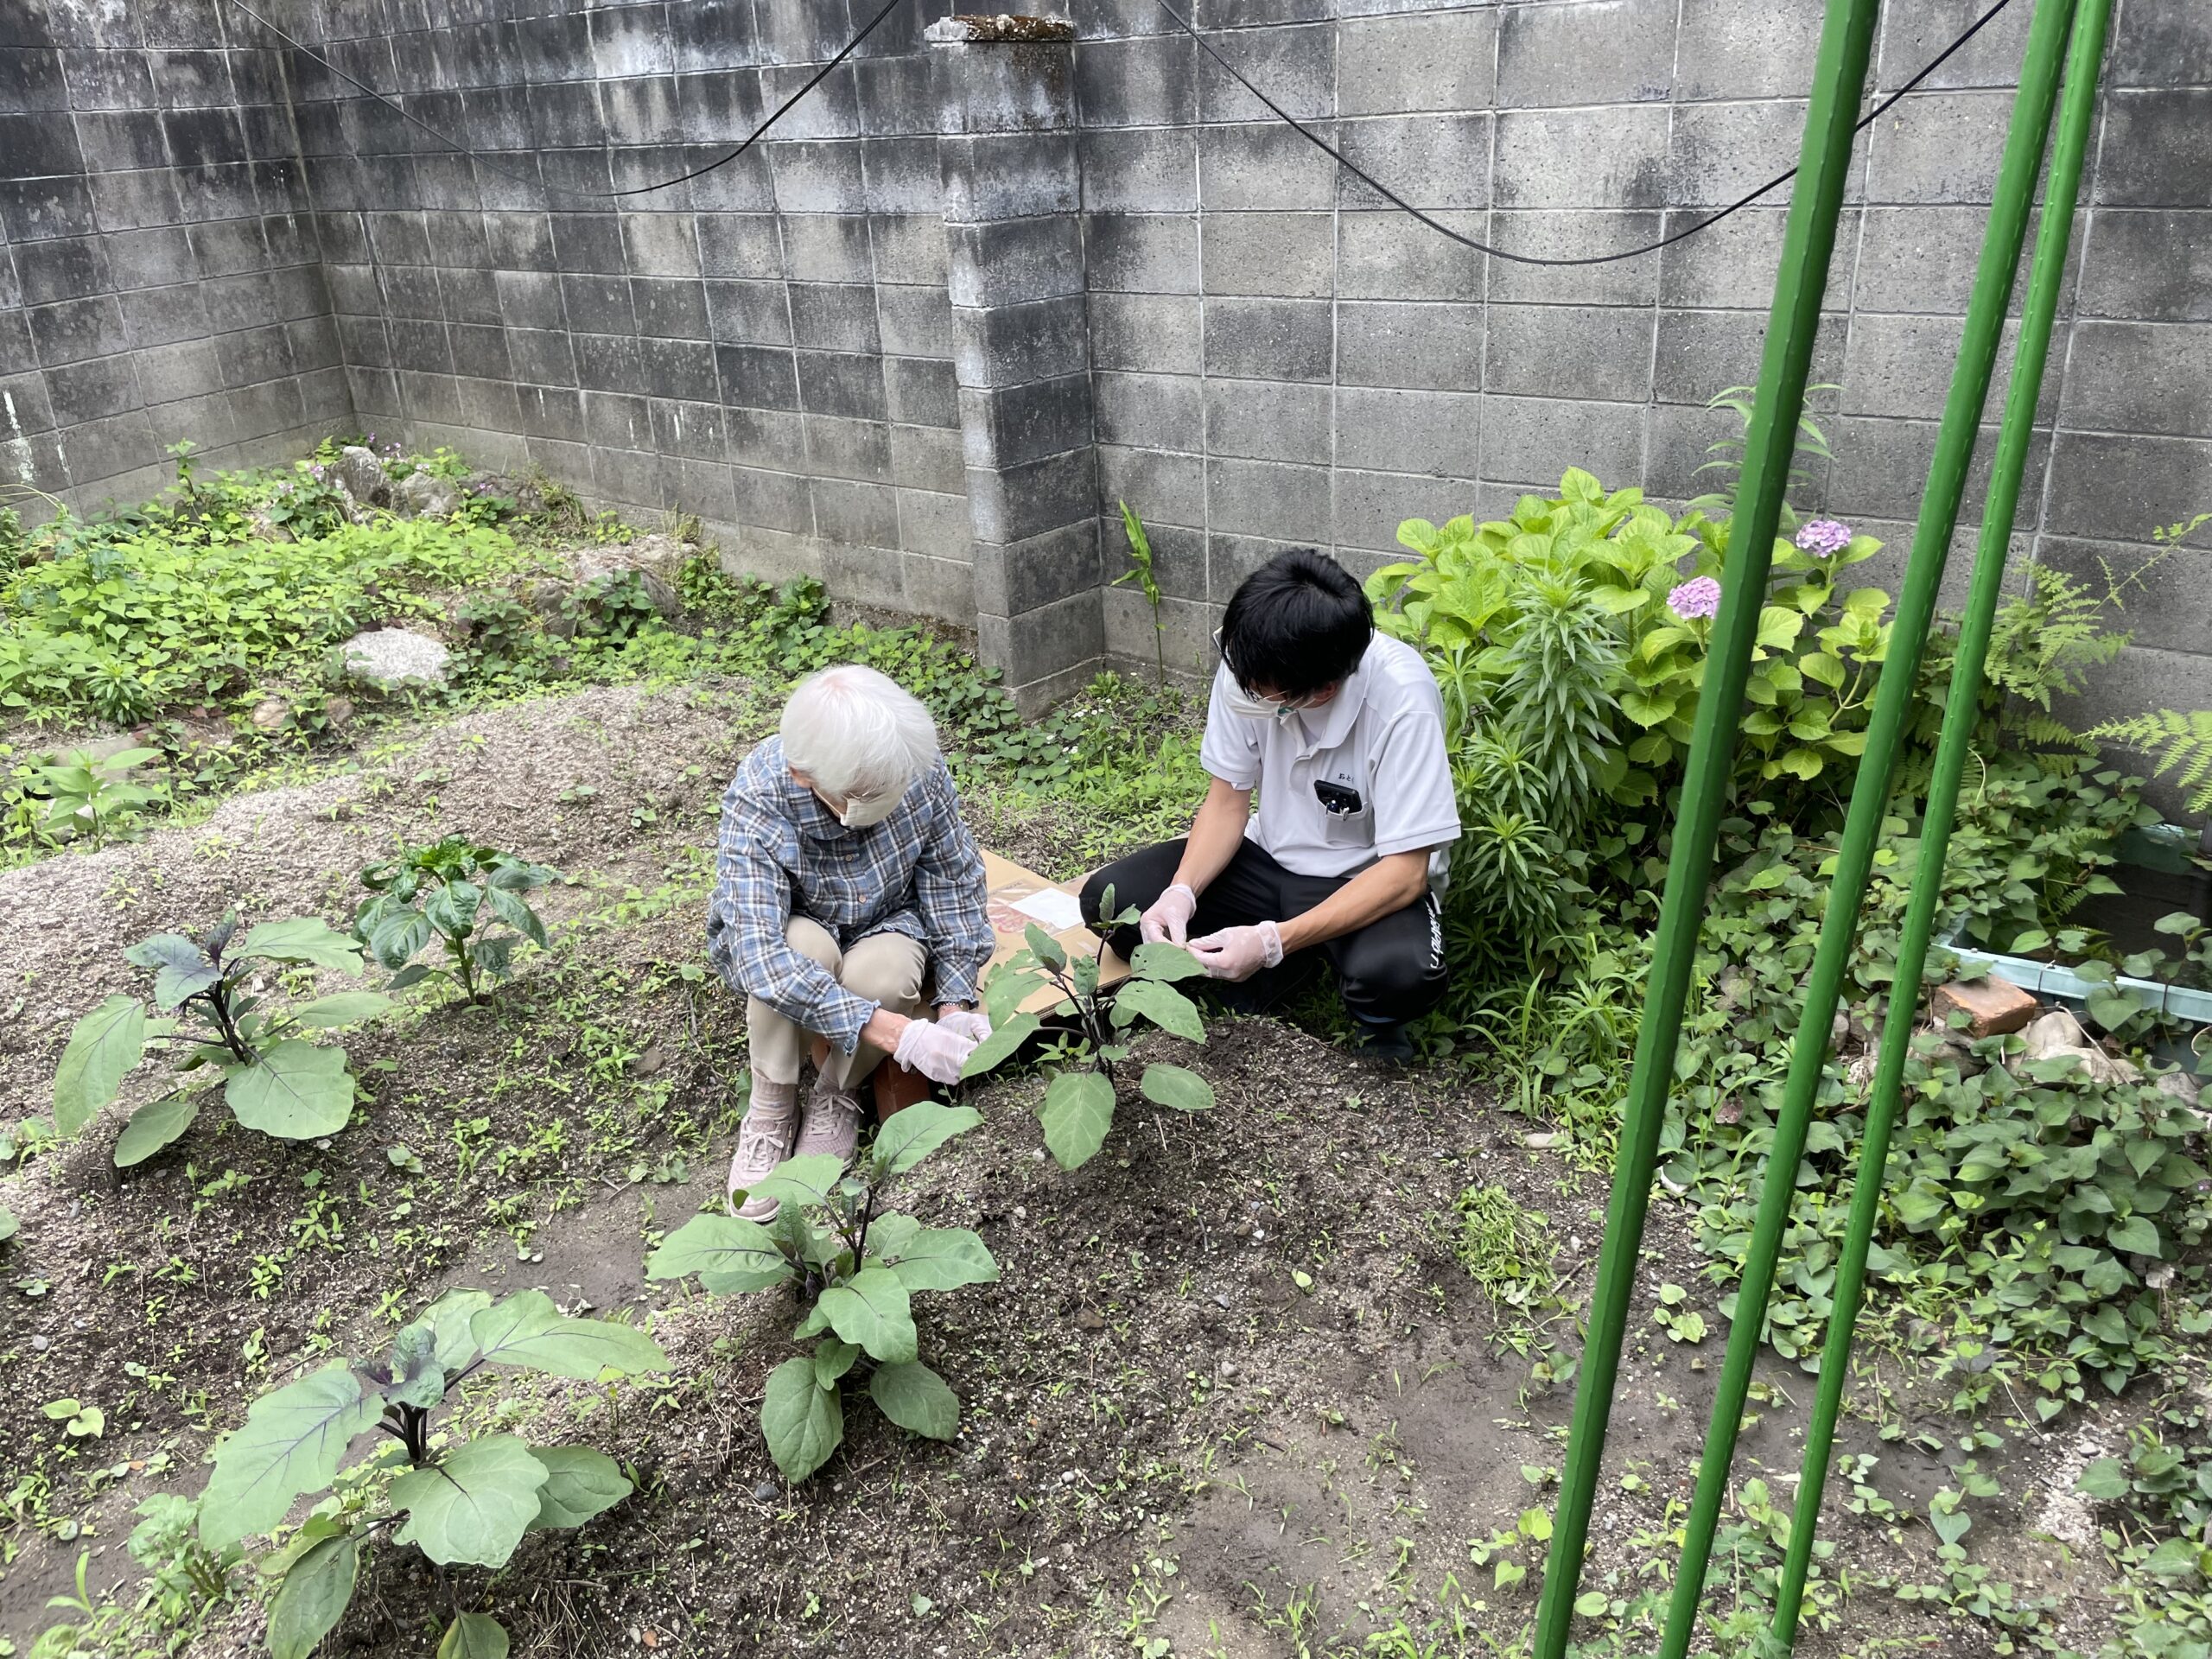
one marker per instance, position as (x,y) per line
(1229,1364)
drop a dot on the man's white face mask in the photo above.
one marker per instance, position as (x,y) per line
(1238,701)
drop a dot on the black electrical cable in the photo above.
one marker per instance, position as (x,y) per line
(1402,205)
(476,156)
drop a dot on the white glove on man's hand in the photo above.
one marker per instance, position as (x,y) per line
(975,1026)
(1169,919)
(1237,953)
(934,1049)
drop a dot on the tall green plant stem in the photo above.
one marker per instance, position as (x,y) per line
(1923,909)
(1870,793)
(1838,82)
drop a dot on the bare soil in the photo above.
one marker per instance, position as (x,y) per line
(1233,1392)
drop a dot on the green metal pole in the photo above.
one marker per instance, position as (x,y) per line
(1838,82)
(1885,733)
(1923,910)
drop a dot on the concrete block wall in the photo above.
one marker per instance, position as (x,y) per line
(1277,358)
(769,347)
(795,347)
(161,277)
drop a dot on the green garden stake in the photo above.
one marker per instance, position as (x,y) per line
(1885,733)
(2045,277)
(1838,82)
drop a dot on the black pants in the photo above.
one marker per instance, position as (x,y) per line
(1389,971)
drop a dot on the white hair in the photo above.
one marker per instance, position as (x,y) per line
(855,734)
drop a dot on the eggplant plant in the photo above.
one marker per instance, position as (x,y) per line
(459,1501)
(1079,1099)
(461,894)
(856,1270)
(274,1077)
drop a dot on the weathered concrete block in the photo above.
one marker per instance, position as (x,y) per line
(1272,340)
(1551,56)
(2158,148)
(922,391)
(839,448)
(1264,166)
(2152,265)
(1387,256)
(1425,61)
(1291,255)
(1012,504)
(928,458)
(1437,347)
(852,513)
(1145,82)
(1145,171)
(834,317)
(1141,253)
(1009,345)
(1432,432)
(914,322)
(1008,175)
(1611,158)
(1159,412)
(2160,480)
(1533,440)
(1262,420)
(1571,351)
(1008,426)
(935,525)
(1258,497)
(1146,332)
(1367,508)
(1015,261)
(1045,653)
(842,383)
(1165,490)
(1027,575)
(832,247)
(1297,65)
(1432,160)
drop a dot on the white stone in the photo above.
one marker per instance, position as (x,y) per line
(427,496)
(387,656)
(362,476)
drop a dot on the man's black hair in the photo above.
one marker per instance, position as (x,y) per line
(1296,626)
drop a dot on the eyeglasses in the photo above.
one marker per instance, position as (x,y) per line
(1310,700)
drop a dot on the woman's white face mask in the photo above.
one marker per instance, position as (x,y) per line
(860,815)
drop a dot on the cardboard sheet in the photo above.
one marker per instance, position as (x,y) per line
(1020,897)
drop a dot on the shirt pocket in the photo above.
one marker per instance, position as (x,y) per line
(1349,828)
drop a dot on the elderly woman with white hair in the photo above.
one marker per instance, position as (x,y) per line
(845,883)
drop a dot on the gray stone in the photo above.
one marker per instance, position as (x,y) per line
(362,476)
(426,495)
(387,658)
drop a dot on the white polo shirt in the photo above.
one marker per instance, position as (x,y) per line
(1379,742)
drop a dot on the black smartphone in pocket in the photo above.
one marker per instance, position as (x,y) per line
(1340,800)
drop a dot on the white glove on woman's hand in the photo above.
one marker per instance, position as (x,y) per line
(934,1049)
(1169,919)
(1237,953)
(975,1026)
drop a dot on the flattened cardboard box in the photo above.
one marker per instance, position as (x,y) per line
(1019,897)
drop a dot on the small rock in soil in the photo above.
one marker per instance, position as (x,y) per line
(766,1492)
(388,657)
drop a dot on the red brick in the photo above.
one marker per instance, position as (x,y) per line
(1992,1005)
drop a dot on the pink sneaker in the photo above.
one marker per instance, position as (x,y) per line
(764,1141)
(832,1123)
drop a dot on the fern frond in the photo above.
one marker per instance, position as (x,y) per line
(2174,742)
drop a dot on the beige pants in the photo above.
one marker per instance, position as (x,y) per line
(885,967)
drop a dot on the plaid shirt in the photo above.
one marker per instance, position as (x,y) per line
(783,854)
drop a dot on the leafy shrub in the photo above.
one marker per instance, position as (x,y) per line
(612,608)
(855,1271)
(275,1079)
(459,893)
(1637,573)
(1079,1099)
(464,1502)
(2174,742)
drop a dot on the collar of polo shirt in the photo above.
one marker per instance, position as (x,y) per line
(1336,716)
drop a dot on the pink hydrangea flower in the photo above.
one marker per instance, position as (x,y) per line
(1824,537)
(1696,599)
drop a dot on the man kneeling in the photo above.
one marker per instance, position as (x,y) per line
(845,882)
(1341,730)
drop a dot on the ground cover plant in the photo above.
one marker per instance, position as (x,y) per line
(461,1501)
(1080,1062)
(856,1270)
(206,999)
